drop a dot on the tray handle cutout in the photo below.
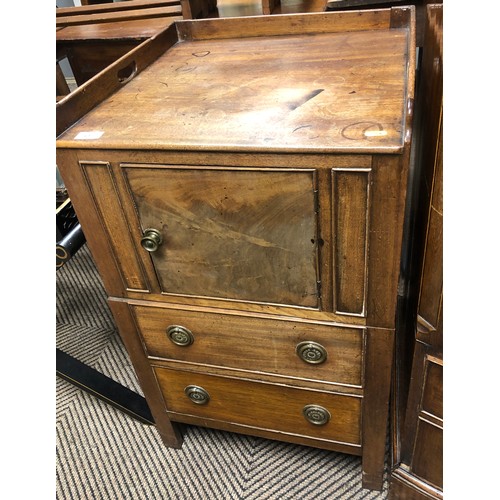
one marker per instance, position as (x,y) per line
(126,73)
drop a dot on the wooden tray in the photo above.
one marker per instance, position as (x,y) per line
(319,82)
(93,37)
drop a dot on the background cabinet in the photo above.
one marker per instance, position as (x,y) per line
(419,471)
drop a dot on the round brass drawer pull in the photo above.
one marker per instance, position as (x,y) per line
(317,415)
(197,394)
(311,352)
(180,335)
(151,240)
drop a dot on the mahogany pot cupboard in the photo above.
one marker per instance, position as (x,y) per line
(241,183)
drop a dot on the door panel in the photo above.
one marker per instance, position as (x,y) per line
(240,234)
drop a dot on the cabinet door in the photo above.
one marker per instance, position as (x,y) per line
(247,234)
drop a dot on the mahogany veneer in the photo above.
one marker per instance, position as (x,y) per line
(241,183)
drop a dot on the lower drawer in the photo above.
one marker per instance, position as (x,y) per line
(289,410)
(277,346)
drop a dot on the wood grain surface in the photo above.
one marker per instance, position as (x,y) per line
(256,344)
(236,234)
(323,92)
(262,405)
(134,29)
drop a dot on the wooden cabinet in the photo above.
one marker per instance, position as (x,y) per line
(242,187)
(418,472)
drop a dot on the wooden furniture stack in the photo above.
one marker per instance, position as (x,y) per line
(241,183)
(91,37)
(418,472)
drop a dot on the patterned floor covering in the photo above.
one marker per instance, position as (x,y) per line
(105,454)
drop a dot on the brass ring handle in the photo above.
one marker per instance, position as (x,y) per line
(316,414)
(180,335)
(311,352)
(151,240)
(197,394)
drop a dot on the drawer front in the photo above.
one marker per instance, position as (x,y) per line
(427,459)
(262,405)
(432,397)
(264,345)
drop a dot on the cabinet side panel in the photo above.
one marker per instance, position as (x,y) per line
(102,186)
(388,197)
(378,371)
(350,207)
(89,218)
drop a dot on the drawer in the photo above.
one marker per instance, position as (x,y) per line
(427,460)
(272,346)
(262,405)
(432,397)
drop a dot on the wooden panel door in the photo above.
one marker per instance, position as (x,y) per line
(247,234)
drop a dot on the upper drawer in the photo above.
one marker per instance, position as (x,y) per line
(284,347)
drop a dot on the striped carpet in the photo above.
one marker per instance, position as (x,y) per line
(105,454)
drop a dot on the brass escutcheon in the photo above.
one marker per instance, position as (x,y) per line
(180,335)
(311,352)
(197,394)
(316,414)
(151,240)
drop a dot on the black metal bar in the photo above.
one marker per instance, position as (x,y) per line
(103,387)
(68,245)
